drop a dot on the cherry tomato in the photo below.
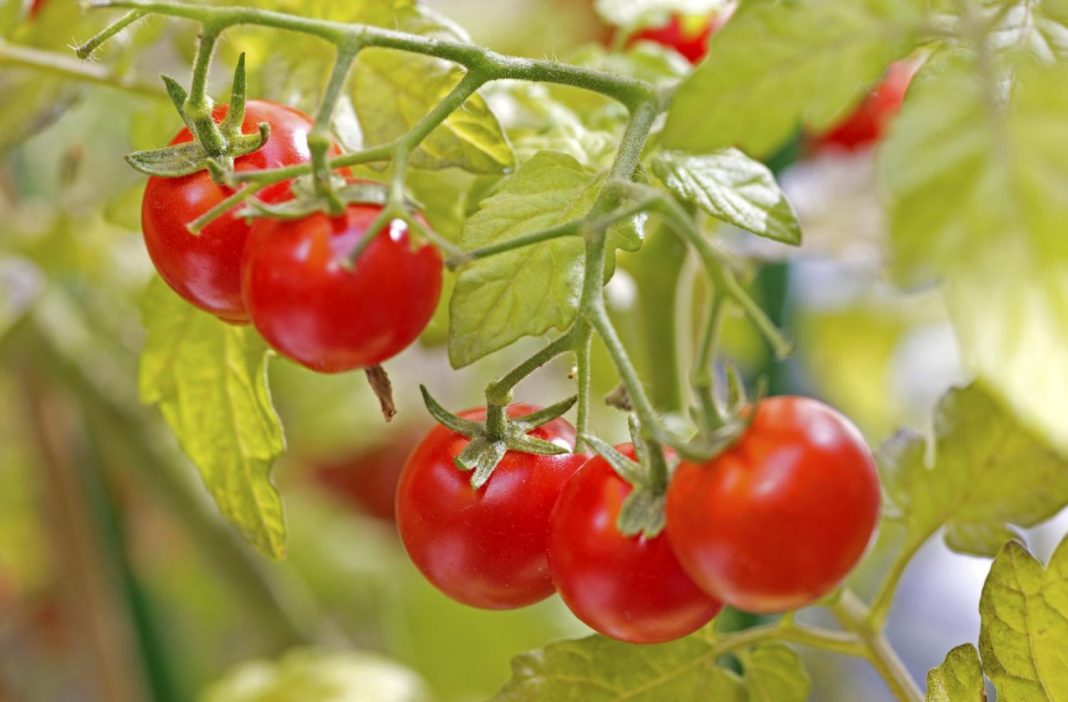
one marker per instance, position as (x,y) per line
(205,269)
(367,480)
(314,309)
(485,547)
(687,35)
(630,588)
(781,517)
(869,122)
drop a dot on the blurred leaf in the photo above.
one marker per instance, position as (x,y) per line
(312,676)
(987,473)
(31,102)
(1024,634)
(21,283)
(777,64)
(209,380)
(731,187)
(597,669)
(958,679)
(984,208)
(529,290)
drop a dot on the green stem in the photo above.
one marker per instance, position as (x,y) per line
(884,598)
(583,382)
(111,30)
(500,391)
(198,224)
(198,105)
(319,141)
(704,374)
(854,616)
(66,67)
(572,228)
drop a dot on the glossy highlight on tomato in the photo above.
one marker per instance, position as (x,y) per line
(630,588)
(487,547)
(780,518)
(314,309)
(205,269)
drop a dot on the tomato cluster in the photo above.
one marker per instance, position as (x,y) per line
(291,278)
(773,523)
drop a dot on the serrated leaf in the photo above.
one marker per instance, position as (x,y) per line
(958,679)
(984,211)
(778,64)
(319,676)
(392,91)
(1023,637)
(597,669)
(731,187)
(530,290)
(988,472)
(210,382)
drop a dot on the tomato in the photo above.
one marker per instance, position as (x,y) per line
(205,269)
(687,35)
(781,517)
(312,308)
(367,480)
(36,6)
(485,547)
(869,121)
(630,588)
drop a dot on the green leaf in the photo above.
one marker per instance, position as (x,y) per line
(392,91)
(731,187)
(530,290)
(319,676)
(984,209)
(958,679)
(776,64)
(1024,633)
(210,381)
(597,669)
(987,472)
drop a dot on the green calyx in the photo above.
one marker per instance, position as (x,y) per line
(215,145)
(498,435)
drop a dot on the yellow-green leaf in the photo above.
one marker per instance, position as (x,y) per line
(1024,634)
(958,679)
(209,379)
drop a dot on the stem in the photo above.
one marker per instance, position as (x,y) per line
(198,224)
(704,375)
(884,598)
(198,105)
(500,392)
(66,67)
(319,140)
(111,30)
(854,616)
(572,228)
(582,386)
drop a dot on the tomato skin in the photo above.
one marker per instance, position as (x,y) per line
(684,35)
(780,518)
(205,269)
(484,548)
(311,308)
(366,480)
(869,122)
(630,588)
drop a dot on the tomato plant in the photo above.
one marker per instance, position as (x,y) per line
(776,521)
(484,547)
(630,588)
(636,221)
(314,309)
(205,268)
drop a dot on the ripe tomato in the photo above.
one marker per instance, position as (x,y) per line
(630,588)
(485,547)
(781,517)
(367,480)
(869,122)
(310,307)
(205,269)
(687,35)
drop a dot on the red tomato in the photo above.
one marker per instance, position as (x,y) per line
(485,547)
(36,6)
(630,588)
(869,122)
(687,35)
(312,308)
(781,517)
(367,480)
(205,269)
